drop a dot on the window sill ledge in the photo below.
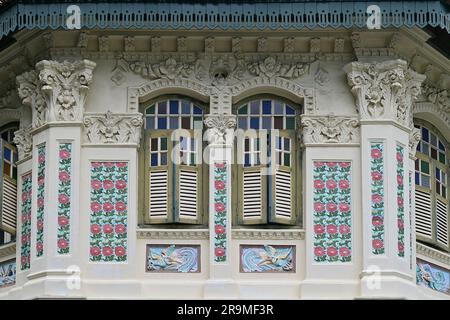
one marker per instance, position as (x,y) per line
(7,250)
(435,254)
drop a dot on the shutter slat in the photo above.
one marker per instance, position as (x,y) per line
(188,191)
(252,194)
(423,213)
(158,205)
(283,196)
(9,205)
(441,222)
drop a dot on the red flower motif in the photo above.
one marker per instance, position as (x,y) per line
(40,224)
(95,251)
(319,229)
(64,154)
(399,180)
(41,180)
(399,157)
(319,251)
(344,229)
(63,221)
(219,229)
(344,184)
(63,199)
(64,176)
(62,244)
(332,251)
(96,207)
(331,229)
(96,164)
(121,164)
(344,164)
(107,251)
(319,206)
(401,247)
(377,221)
(39,246)
(331,206)
(219,185)
(376,154)
(40,202)
(344,252)
(344,207)
(400,201)
(41,159)
(331,184)
(120,229)
(108,164)
(376,176)
(119,251)
(331,164)
(318,184)
(377,244)
(376,198)
(318,164)
(96,185)
(400,224)
(121,184)
(108,184)
(120,206)
(219,206)
(95,229)
(108,207)
(219,165)
(24,196)
(219,252)
(107,228)
(24,239)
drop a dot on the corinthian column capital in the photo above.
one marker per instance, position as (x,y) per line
(219,126)
(384,91)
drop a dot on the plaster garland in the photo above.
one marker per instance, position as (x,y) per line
(111,127)
(330,129)
(384,90)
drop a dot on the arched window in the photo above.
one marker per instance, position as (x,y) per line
(267,163)
(431,179)
(174,178)
(8,183)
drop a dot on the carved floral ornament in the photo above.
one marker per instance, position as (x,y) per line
(220,128)
(111,127)
(56,91)
(24,142)
(384,90)
(330,129)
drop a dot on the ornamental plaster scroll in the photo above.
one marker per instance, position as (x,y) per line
(24,142)
(384,90)
(107,128)
(220,128)
(414,139)
(330,129)
(151,88)
(29,91)
(65,86)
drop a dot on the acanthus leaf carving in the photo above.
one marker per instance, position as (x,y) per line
(220,128)
(28,89)
(113,128)
(65,86)
(270,67)
(330,129)
(24,142)
(414,139)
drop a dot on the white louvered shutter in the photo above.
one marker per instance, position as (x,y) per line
(8,189)
(252,178)
(423,213)
(283,189)
(442,222)
(159,178)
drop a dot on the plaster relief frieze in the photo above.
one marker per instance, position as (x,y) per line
(169,69)
(440,97)
(330,129)
(65,86)
(113,128)
(24,142)
(271,67)
(384,90)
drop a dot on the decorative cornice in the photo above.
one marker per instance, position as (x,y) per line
(267,234)
(8,250)
(384,90)
(65,86)
(220,128)
(330,129)
(24,142)
(432,108)
(173,234)
(108,128)
(433,253)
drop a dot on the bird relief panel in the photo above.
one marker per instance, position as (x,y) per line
(7,273)
(431,276)
(173,258)
(267,258)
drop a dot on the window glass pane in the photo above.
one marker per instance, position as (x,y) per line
(257,144)
(417,178)
(425,167)
(290,110)
(193,148)
(242,123)
(164,158)
(278,108)
(154,144)
(425,181)
(150,123)
(15,173)
(162,123)
(278,143)
(254,123)
(254,107)
(183,143)
(163,144)
(417,164)
(267,107)
(442,157)
(247,160)
(173,122)
(174,106)
(438,187)
(150,110)
(444,192)
(425,149)
(185,107)
(154,159)
(186,123)
(278,123)
(243,110)
(7,154)
(433,139)
(441,146)
(192,162)
(279,158)
(438,174)
(425,134)
(287,144)
(162,107)
(287,160)
(7,169)
(5,136)
(197,110)
(418,147)
(434,153)
(267,122)
(290,123)
(247,145)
